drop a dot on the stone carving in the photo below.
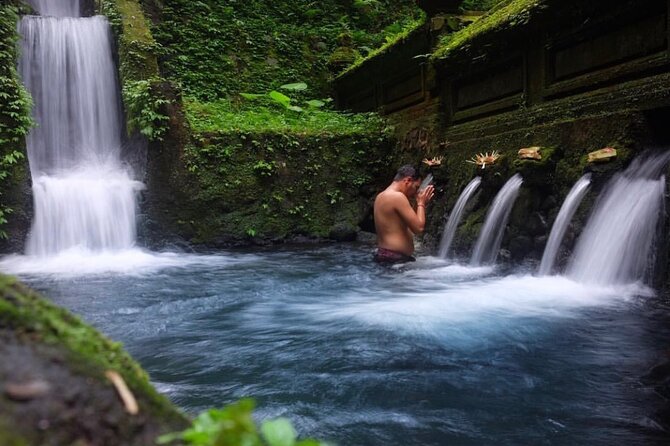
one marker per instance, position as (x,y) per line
(602,155)
(530,153)
(484,159)
(435,161)
(416,139)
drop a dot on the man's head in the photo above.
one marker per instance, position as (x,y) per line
(409,179)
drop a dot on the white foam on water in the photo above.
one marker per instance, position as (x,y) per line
(476,309)
(79,262)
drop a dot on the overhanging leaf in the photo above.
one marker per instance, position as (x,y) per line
(316,103)
(297,86)
(281,98)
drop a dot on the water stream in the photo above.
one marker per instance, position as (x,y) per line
(491,235)
(565,214)
(456,215)
(428,354)
(617,245)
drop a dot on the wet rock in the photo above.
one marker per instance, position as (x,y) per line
(536,224)
(520,246)
(343,232)
(549,203)
(367,237)
(504,254)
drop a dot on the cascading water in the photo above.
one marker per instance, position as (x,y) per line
(567,211)
(616,246)
(57,8)
(84,195)
(456,215)
(490,238)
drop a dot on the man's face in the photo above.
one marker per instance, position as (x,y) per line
(412,186)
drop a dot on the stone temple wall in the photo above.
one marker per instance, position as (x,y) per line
(568,76)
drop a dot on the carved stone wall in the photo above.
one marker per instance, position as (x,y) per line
(578,76)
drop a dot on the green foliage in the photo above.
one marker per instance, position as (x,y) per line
(145,108)
(222,117)
(138,68)
(15,106)
(286,101)
(264,168)
(234,426)
(216,49)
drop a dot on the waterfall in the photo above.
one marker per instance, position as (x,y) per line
(563,219)
(84,196)
(490,237)
(57,8)
(456,215)
(617,244)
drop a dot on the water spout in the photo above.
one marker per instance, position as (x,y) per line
(456,215)
(617,244)
(490,237)
(568,209)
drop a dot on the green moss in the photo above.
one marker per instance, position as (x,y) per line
(27,313)
(138,67)
(223,117)
(8,436)
(508,14)
(297,174)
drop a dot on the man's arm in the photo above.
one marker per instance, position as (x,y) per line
(415,221)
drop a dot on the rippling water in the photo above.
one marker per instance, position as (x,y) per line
(429,354)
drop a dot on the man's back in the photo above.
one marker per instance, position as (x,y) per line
(392,231)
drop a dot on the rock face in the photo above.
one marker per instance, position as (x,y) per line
(53,390)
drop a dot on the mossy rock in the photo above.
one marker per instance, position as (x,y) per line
(42,343)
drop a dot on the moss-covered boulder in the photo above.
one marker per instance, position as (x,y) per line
(53,388)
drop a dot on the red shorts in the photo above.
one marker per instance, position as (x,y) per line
(388,256)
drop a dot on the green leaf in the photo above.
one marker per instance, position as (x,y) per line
(295,108)
(251,95)
(316,103)
(297,86)
(280,98)
(279,432)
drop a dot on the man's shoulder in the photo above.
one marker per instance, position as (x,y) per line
(391,197)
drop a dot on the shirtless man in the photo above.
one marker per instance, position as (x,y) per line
(396,221)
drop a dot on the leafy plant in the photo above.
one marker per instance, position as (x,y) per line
(214,48)
(15,105)
(145,108)
(234,426)
(285,101)
(265,168)
(260,117)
